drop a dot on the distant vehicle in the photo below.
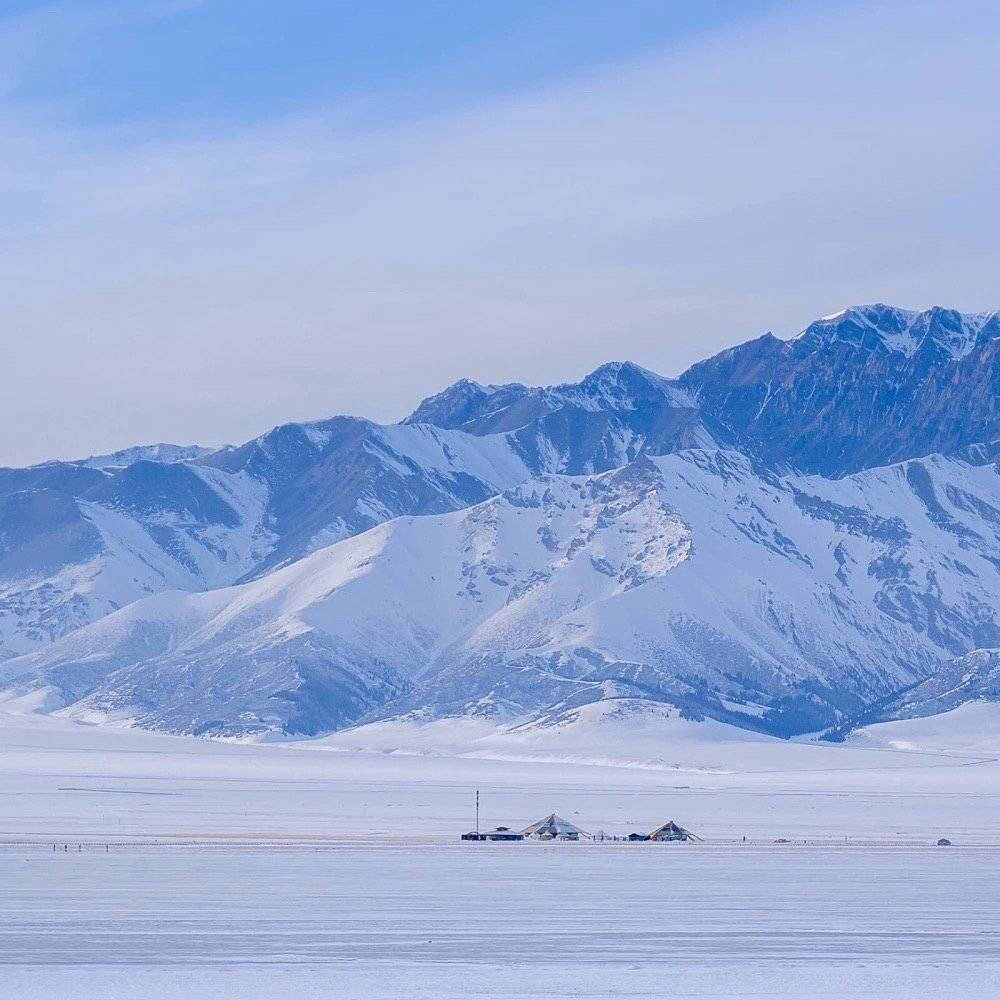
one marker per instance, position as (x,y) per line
(944,842)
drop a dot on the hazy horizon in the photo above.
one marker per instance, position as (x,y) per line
(430,392)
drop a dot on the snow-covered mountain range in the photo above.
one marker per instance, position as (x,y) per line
(789,536)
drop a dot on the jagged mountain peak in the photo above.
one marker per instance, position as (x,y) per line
(489,409)
(867,386)
(907,332)
(620,385)
(159,452)
(286,445)
(479,409)
(755,449)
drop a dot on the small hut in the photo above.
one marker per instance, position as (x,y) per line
(638,838)
(554,827)
(503,833)
(670,831)
(500,833)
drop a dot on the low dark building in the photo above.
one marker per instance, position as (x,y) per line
(500,833)
(634,838)
(503,833)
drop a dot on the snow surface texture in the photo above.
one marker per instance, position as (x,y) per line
(449,922)
(784,538)
(315,869)
(892,783)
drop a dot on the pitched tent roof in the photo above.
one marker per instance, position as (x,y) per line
(671,831)
(554,825)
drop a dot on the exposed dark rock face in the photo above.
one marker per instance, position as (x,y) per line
(877,430)
(870,387)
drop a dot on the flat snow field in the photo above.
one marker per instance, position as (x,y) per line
(325,870)
(500,920)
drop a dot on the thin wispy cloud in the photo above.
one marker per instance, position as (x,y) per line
(200,279)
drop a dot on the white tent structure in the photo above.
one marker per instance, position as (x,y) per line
(670,831)
(554,827)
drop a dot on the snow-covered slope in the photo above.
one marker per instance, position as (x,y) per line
(755,625)
(378,604)
(614,732)
(973,727)
(334,478)
(696,579)
(866,387)
(797,600)
(161,452)
(974,677)
(66,560)
(78,542)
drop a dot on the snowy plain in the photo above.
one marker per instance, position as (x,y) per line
(135,864)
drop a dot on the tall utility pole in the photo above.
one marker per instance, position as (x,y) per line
(477,810)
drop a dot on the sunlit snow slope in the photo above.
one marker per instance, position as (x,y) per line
(792,535)
(781,603)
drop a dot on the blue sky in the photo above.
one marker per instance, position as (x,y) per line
(240,60)
(217,215)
